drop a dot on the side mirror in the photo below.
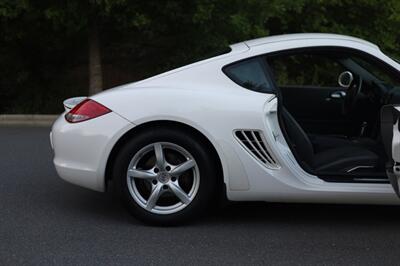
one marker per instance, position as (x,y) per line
(345,79)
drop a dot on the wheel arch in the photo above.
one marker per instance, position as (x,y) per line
(170,124)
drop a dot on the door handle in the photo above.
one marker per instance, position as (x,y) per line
(338,94)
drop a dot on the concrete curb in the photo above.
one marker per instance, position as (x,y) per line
(27,120)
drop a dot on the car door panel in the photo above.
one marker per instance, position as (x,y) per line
(390,130)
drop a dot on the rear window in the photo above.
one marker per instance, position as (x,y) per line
(250,74)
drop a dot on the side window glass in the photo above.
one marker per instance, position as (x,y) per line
(377,71)
(249,74)
(311,70)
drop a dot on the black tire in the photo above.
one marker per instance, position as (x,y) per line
(206,194)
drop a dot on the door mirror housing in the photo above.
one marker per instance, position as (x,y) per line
(345,79)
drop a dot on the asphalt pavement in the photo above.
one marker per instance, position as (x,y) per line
(46,221)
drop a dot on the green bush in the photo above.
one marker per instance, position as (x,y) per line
(44,44)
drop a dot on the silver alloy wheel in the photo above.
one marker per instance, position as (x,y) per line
(162,178)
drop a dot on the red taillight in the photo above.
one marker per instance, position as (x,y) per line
(85,110)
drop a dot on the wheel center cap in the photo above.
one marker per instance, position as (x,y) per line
(163,177)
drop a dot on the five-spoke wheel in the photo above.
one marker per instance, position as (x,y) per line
(166,176)
(160,171)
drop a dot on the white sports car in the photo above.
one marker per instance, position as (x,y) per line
(291,118)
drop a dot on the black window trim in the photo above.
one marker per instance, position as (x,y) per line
(265,69)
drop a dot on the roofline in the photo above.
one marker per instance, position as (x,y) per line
(305,36)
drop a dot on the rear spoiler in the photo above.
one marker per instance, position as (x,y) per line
(72,102)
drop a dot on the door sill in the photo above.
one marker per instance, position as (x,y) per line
(369,178)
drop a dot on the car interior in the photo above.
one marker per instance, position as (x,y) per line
(330,106)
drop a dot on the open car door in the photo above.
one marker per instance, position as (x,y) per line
(390,116)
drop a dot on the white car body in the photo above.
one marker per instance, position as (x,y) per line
(201,96)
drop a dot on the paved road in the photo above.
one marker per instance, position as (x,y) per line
(44,220)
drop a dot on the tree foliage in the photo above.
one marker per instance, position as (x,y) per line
(44,44)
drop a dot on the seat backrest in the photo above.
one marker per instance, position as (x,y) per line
(298,138)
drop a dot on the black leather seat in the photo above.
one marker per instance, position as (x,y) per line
(344,159)
(340,157)
(325,142)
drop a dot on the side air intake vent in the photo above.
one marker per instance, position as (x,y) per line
(253,141)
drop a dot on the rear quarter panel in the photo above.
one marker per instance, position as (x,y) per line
(203,98)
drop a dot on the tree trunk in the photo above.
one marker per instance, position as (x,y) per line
(95,68)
